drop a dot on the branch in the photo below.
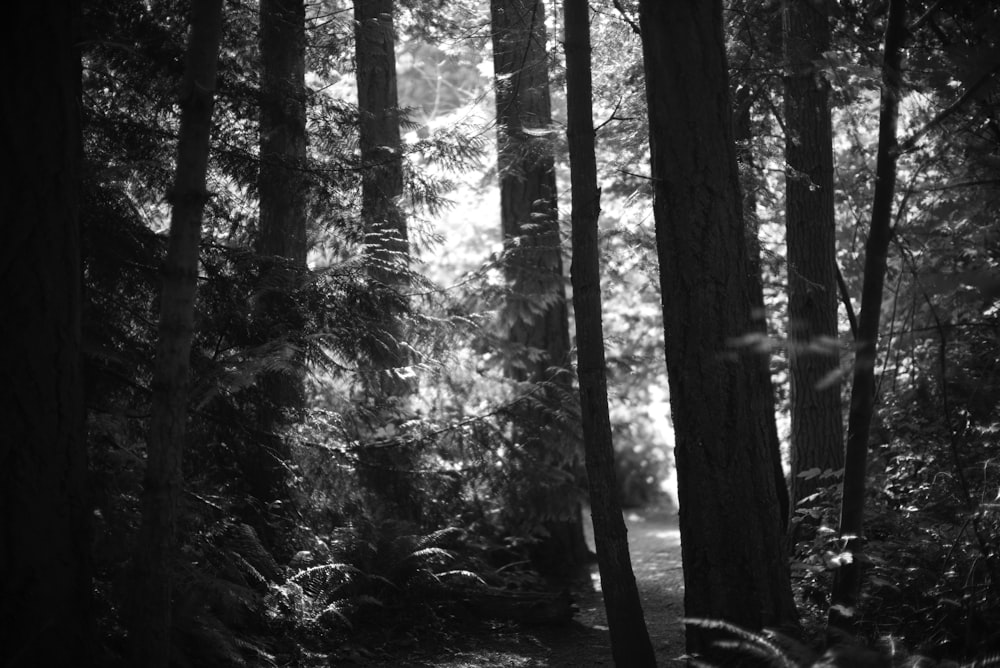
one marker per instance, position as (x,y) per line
(845,297)
(626,18)
(638,176)
(925,17)
(612,117)
(943,115)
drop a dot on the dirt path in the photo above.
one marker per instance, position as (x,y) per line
(654,543)
(655,548)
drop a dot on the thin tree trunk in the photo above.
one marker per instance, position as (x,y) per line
(630,644)
(847,579)
(156,547)
(817,422)
(734,562)
(536,313)
(281,239)
(384,471)
(45,611)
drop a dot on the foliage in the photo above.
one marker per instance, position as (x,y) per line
(374,576)
(738,646)
(933,515)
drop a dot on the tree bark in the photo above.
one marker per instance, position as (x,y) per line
(156,547)
(535,314)
(847,579)
(281,240)
(381,146)
(383,471)
(817,421)
(743,98)
(630,644)
(734,563)
(45,611)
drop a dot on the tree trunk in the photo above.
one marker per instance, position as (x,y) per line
(630,644)
(734,563)
(813,353)
(743,134)
(281,239)
(535,314)
(384,471)
(847,579)
(156,547)
(45,611)
(381,146)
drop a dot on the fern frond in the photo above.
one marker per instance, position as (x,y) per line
(431,555)
(248,569)
(243,540)
(747,642)
(463,575)
(440,536)
(336,611)
(321,579)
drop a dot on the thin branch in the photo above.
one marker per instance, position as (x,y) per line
(612,117)
(626,18)
(845,297)
(925,17)
(959,184)
(638,176)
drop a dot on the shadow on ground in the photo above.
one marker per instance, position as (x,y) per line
(654,543)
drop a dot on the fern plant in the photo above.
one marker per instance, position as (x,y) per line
(219,602)
(364,568)
(738,646)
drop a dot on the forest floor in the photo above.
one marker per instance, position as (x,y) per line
(654,542)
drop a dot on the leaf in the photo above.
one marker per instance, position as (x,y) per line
(882,582)
(844,610)
(836,560)
(831,379)
(539,132)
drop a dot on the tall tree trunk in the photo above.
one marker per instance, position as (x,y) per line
(384,471)
(742,128)
(743,101)
(734,562)
(536,314)
(630,644)
(45,612)
(156,547)
(381,146)
(281,239)
(817,422)
(847,579)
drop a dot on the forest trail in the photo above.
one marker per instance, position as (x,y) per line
(654,540)
(654,543)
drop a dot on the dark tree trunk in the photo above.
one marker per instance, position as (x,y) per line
(743,128)
(385,472)
(381,146)
(630,644)
(156,547)
(817,422)
(281,238)
(45,612)
(847,579)
(743,134)
(535,315)
(730,519)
